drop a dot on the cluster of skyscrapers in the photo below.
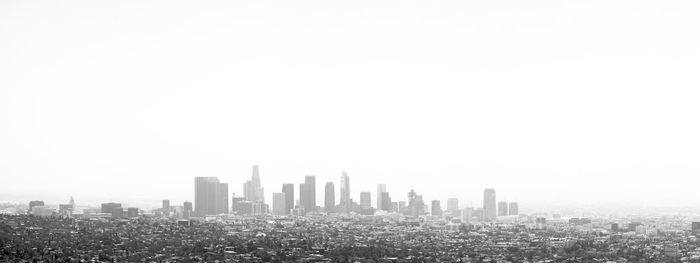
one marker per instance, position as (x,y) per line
(212,198)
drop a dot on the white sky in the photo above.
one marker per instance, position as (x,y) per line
(590,102)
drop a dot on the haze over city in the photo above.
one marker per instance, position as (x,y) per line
(549,102)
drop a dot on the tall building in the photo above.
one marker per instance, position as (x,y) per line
(210,196)
(222,199)
(166,207)
(435,208)
(387,205)
(345,192)
(235,203)
(187,209)
(252,190)
(307,193)
(502,208)
(416,206)
(513,208)
(329,204)
(452,204)
(489,204)
(32,204)
(279,204)
(288,190)
(381,188)
(365,199)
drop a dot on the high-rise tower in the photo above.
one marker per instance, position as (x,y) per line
(329,203)
(489,204)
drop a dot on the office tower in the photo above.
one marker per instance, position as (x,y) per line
(386,202)
(132,212)
(381,188)
(32,204)
(489,204)
(109,207)
(166,207)
(452,204)
(345,192)
(235,201)
(187,209)
(365,199)
(502,208)
(415,204)
(513,208)
(329,203)
(401,206)
(65,209)
(72,203)
(435,208)
(252,189)
(279,204)
(288,190)
(307,193)
(467,215)
(210,196)
(222,198)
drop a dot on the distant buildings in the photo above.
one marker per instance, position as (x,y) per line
(288,190)
(695,227)
(513,209)
(108,208)
(416,206)
(345,202)
(467,215)
(435,209)
(252,190)
(32,204)
(381,188)
(166,207)
(279,204)
(329,200)
(365,199)
(210,196)
(502,208)
(132,212)
(307,193)
(187,209)
(489,204)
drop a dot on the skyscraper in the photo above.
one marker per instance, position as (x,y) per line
(278,204)
(513,208)
(210,197)
(381,188)
(502,208)
(288,190)
(187,209)
(489,204)
(345,192)
(365,199)
(166,207)
(307,193)
(387,205)
(435,208)
(222,199)
(415,204)
(329,203)
(252,190)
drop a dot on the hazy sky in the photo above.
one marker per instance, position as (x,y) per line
(591,102)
